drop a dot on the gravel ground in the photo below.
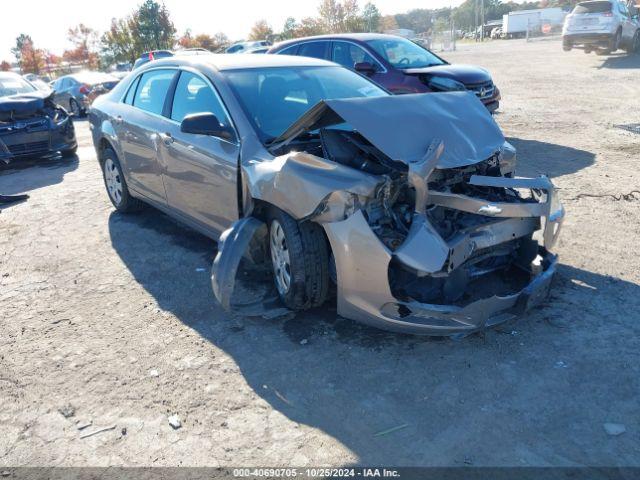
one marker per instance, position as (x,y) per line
(109,320)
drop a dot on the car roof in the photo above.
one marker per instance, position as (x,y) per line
(9,75)
(222,61)
(362,37)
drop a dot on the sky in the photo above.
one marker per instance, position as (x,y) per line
(48,21)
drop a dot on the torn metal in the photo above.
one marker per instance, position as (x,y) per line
(32,125)
(430,230)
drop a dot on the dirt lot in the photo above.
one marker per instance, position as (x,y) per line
(110,319)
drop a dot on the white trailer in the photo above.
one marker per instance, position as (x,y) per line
(516,24)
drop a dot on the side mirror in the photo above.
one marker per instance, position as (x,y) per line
(364,67)
(205,123)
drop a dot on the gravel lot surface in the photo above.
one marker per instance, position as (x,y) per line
(109,320)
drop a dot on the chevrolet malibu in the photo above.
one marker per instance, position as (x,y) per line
(313,174)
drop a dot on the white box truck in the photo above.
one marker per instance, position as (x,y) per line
(515,24)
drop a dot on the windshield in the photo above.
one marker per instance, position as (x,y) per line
(14,85)
(402,53)
(592,7)
(274,98)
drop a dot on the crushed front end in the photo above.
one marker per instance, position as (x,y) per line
(430,230)
(470,251)
(33,126)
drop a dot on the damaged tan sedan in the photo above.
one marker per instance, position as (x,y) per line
(408,204)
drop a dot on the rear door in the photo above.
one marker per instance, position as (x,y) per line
(200,170)
(139,133)
(315,49)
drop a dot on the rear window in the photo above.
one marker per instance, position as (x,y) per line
(593,7)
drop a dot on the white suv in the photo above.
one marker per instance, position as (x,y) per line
(603,26)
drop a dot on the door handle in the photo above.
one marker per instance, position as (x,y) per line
(118,120)
(166,138)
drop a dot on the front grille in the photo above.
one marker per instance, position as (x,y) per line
(27,148)
(482,90)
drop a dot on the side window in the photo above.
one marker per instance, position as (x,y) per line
(292,50)
(128,99)
(152,90)
(194,95)
(348,54)
(313,49)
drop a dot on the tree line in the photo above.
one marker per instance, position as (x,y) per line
(149,27)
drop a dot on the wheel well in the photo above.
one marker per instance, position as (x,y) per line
(104,144)
(261,209)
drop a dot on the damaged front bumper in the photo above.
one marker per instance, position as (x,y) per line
(363,262)
(447,243)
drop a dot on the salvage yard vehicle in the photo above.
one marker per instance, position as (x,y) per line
(31,124)
(603,26)
(313,173)
(399,65)
(76,91)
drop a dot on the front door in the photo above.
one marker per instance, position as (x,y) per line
(200,170)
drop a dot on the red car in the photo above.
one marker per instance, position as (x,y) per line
(397,64)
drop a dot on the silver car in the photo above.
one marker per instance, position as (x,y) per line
(311,172)
(76,91)
(603,26)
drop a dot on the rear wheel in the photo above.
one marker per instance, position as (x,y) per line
(615,43)
(116,185)
(300,260)
(634,46)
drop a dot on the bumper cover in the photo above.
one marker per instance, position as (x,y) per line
(42,139)
(362,264)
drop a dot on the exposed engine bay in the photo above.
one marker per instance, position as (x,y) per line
(434,235)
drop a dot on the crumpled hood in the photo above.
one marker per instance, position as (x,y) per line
(467,74)
(404,126)
(24,103)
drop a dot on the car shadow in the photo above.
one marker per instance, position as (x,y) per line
(513,395)
(25,175)
(542,158)
(621,61)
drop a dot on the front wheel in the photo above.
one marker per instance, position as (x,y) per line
(300,261)
(74,108)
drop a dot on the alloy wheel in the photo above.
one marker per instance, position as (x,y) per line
(280,257)
(74,107)
(112,181)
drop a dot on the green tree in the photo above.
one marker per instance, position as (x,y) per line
(289,29)
(152,28)
(371,17)
(118,43)
(30,59)
(260,31)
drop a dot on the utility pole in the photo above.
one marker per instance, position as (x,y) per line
(482,20)
(475,24)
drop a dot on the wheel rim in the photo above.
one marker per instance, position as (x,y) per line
(280,257)
(112,181)
(75,109)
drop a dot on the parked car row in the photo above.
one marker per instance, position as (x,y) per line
(296,165)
